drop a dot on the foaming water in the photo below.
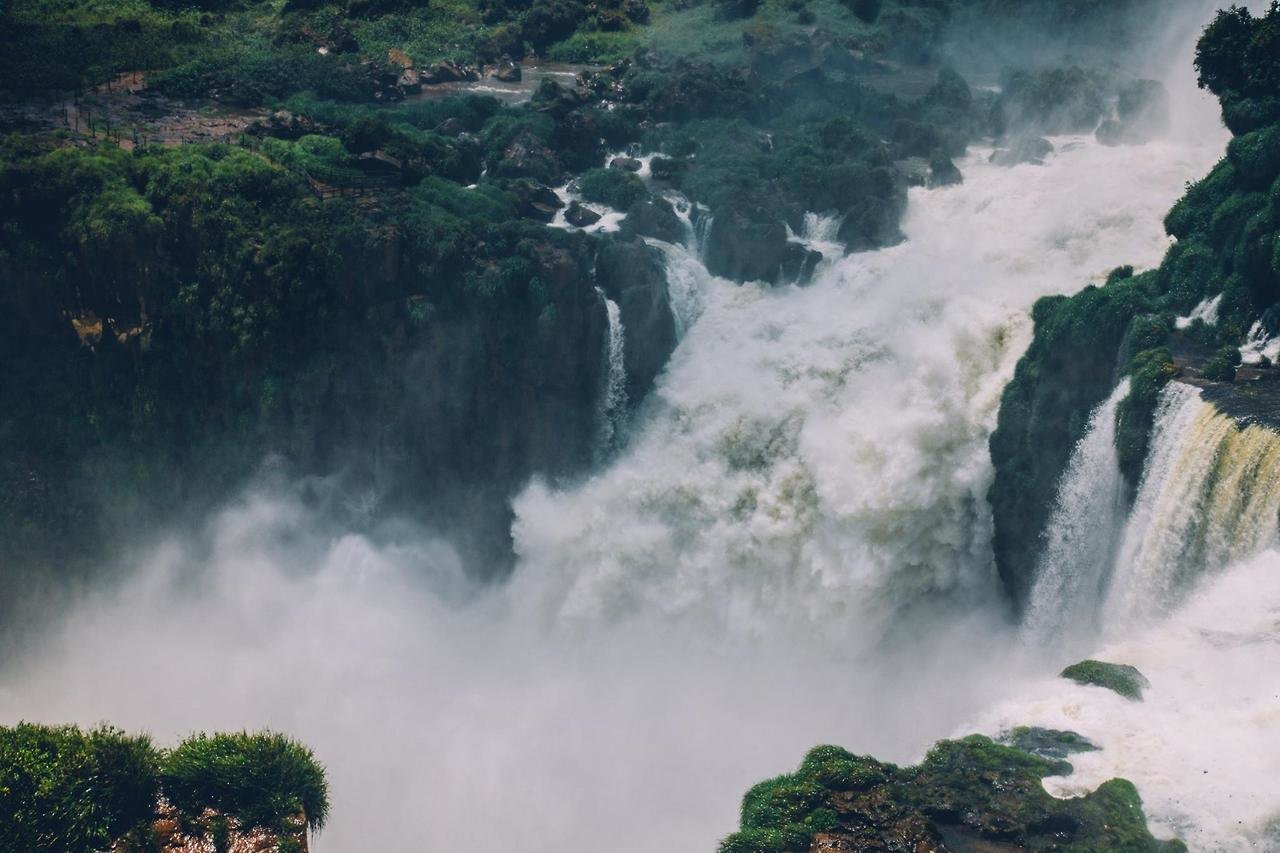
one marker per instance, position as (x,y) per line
(816,457)
(1210,495)
(793,548)
(1202,745)
(1082,533)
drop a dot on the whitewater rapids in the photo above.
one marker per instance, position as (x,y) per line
(792,547)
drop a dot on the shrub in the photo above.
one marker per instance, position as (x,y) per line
(617,188)
(261,779)
(63,790)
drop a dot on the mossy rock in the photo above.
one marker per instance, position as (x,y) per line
(1052,744)
(968,794)
(1122,678)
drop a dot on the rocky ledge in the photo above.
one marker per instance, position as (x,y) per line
(967,795)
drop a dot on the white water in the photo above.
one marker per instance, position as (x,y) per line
(613,402)
(1210,495)
(811,472)
(1202,746)
(1082,533)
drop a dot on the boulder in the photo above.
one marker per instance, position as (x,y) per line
(448,72)
(409,82)
(579,216)
(914,170)
(1022,149)
(655,218)
(508,71)
(633,274)
(1053,744)
(534,200)
(1118,677)
(745,243)
(631,164)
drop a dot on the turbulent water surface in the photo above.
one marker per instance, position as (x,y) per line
(789,545)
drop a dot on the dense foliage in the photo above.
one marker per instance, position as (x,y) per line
(261,779)
(972,790)
(1227,228)
(65,790)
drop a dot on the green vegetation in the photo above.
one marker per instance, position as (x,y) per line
(262,779)
(972,788)
(1227,228)
(617,188)
(64,790)
(1121,678)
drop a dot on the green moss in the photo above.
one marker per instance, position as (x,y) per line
(988,792)
(1120,678)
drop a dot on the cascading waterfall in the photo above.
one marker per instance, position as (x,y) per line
(1210,496)
(613,402)
(1083,532)
(810,474)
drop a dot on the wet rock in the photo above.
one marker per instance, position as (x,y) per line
(631,164)
(579,216)
(1023,149)
(745,244)
(633,274)
(1047,743)
(1120,678)
(943,172)
(508,71)
(534,200)
(914,170)
(664,168)
(409,82)
(799,263)
(967,795)
(448,72)
(655,218)
(528,156)
(872,223)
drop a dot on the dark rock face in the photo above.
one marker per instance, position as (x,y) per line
(872,223)
(655,218)
(1022,149)
(745,245)
(1052,101)
(535,201)
(967,796)
(943,172)
(799,263)
(633,274)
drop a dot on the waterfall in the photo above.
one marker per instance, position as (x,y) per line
(814,459)
(613,403)
(1210,495)
(1083,531)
